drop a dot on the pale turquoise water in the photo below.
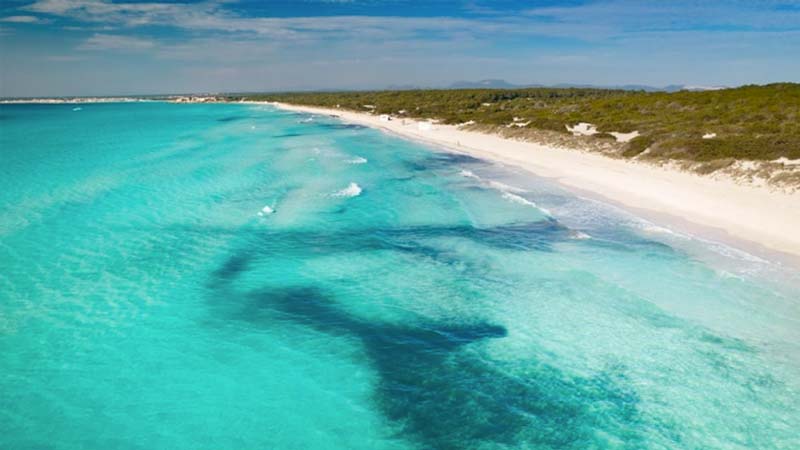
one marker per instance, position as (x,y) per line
(145,304)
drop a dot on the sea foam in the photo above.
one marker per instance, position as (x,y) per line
(357,160)
(491,183)
(352,190)
(469,174)
(505,187)
(579,235)
(508,192)
(524,201)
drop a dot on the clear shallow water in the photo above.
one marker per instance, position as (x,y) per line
(390,296)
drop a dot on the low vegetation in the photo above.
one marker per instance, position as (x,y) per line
(755,123)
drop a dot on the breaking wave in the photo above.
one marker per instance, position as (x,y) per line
(508,192)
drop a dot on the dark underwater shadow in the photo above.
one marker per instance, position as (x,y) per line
(340,126)
(435,384)
(439,160)
(439,390)
(449,159)
(268,244)
(323,124)
(231,118)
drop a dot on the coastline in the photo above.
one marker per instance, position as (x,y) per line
(753,218)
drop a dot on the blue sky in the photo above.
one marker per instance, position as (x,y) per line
(99,47)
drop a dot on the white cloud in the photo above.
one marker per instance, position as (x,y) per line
(130,14)
(100,41)
(22,19)
(590,22)
(212,16)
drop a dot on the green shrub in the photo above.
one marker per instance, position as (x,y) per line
(637,145)
(604,136)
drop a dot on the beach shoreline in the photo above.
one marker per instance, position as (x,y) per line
(756,219)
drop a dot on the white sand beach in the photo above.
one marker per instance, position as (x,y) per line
(758,218)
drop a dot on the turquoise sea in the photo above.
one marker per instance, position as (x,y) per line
(233,276)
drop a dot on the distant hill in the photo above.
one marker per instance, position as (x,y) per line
(485,84)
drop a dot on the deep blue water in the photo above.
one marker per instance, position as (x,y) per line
(235,276)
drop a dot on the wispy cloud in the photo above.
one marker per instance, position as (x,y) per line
(588,22)
(225,50)
(674,16)
(23,19)
(100,41)
(130,14)
(215,16)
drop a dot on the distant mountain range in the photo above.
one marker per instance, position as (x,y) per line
(503,84)
(485,84)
